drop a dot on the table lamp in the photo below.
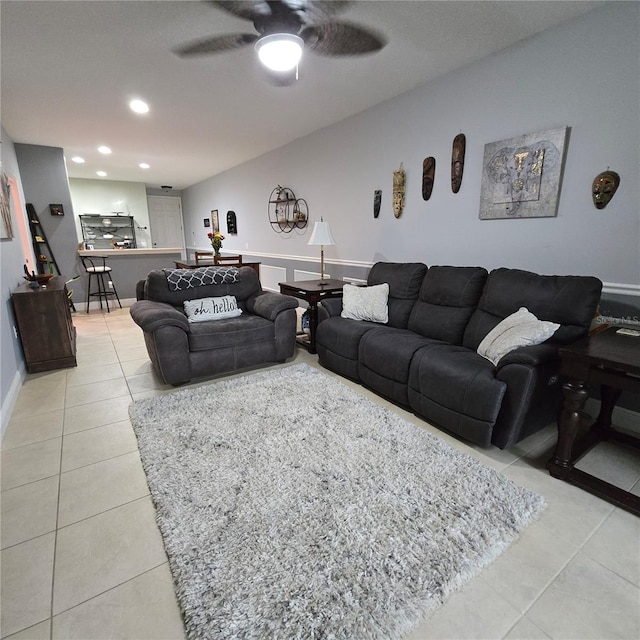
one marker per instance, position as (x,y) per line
(321,235)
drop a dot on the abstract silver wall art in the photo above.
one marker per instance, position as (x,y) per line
(521,177)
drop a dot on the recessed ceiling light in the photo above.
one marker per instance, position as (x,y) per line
(77,159)
(105,150)
(102,174)
(144,165)
(139,106)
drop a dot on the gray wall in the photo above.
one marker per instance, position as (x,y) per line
(583,74)
(44,181)
(12,369)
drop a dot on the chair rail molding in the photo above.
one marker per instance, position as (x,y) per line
(621,289)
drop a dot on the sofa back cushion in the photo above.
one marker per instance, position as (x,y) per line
(157,288)
(404,280)
(448,297)
(570,301)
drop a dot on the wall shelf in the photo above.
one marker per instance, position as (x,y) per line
(286,212)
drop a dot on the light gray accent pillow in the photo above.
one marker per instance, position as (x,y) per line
(366,303)
(203,309)
(520,329)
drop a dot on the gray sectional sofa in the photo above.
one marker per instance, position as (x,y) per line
(264,331)
(425,357)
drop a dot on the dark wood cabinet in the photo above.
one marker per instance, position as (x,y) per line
(44,322)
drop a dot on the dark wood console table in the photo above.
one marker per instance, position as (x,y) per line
(312,292)
(46,330)
(611,360)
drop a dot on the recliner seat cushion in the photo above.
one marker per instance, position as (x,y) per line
(230,332)
(448,297)
(457,388)
(384,358)
(342,335)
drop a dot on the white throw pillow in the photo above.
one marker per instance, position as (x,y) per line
(211,308)
(366,303)
(520,329)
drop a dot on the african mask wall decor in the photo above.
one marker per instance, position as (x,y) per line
(377,201)
(399,185)
(457,161)
(604,187)
(428,176)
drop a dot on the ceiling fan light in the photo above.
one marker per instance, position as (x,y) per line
(280,51)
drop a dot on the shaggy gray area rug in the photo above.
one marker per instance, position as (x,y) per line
(292,507)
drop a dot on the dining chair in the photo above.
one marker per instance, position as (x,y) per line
(229,261)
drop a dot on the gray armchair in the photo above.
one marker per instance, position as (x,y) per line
(180,350)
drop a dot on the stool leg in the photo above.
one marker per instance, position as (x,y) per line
(89,292)
(103,293)
(115,292)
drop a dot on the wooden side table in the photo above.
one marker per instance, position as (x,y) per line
(611,360)
(312,292)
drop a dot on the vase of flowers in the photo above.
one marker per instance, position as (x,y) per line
(216,239)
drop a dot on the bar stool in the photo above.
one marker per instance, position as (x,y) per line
(96,266)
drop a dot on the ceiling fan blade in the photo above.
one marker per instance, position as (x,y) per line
(247,9)
(216,44)
(308,11)
(316,11)
(341,39)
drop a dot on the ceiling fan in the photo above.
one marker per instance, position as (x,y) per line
(284,28)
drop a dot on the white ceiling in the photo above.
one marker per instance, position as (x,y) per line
(69,70)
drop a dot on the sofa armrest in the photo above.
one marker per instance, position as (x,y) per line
(533,355)
(268,304)
(332,306)
(151,316)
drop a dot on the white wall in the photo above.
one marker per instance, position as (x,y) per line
(110,196)
(583,74)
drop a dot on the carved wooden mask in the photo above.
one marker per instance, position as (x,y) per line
(604,187)
(399,182)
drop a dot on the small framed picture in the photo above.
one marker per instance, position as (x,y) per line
(215,222)
(56,209)
(207,222)
(89,247)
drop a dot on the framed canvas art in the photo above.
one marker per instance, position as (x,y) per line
(521,177)
(215,221)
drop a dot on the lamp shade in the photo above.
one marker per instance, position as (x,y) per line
(321,234)
(280,51)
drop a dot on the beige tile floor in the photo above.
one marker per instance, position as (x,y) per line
(82,556)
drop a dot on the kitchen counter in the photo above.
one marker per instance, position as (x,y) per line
(132,252)
(128,266)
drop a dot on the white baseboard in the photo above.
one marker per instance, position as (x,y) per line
(10,400)
(94,305)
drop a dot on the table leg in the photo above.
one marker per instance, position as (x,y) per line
(576,394)
(313,325)
(608,398)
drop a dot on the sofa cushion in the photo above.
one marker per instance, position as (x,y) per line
(157,288)
(404,280)
(567,300)
(447,299)
(230,332)
(457,388)
(520,329)
(384,357)
(342,335)
(366,303)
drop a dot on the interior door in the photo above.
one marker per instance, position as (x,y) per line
(165,220)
